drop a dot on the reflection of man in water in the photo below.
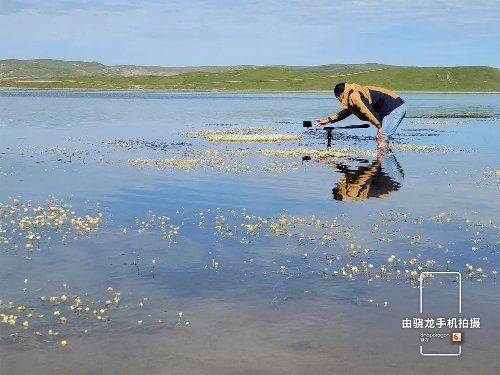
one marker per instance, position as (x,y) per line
(376,180)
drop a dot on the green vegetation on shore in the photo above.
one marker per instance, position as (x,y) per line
(249,78)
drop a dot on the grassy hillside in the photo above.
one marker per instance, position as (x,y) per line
(46,68)
(49,68)
(341,68)
(281,78)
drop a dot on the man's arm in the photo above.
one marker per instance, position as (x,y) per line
(339,116)
(334,118)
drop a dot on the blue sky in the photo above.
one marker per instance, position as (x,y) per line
(293,32)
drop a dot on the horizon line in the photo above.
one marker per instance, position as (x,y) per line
(242,65)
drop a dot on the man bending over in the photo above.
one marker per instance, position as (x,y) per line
(383,108)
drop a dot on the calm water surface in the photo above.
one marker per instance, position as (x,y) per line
(265,264)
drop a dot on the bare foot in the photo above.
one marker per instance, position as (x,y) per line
(382,143)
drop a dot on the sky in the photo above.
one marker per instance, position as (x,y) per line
(255,32)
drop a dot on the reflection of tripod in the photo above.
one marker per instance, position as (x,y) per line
(329,136)
(330,129)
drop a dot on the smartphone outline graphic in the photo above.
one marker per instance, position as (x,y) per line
(459,308)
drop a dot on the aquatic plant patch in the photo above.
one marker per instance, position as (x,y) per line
(58,316)
(216,163)
(30,225)
(488,177)
(420,148)
(222,137)
(344,254)
(333,152)
(443,122)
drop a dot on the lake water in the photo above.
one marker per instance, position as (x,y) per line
(167,253)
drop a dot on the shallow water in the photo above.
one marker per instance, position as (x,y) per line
(259,281)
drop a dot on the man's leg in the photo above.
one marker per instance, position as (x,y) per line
(391,122)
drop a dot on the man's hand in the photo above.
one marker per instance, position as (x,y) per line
(322,121)
(380,133)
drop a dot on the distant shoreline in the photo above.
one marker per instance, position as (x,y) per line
(81,76)
(227,92)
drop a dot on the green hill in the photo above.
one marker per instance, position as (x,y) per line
(340,68)
(49,68)
(46,68)
(247,78)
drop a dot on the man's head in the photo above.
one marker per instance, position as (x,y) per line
(339,90)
